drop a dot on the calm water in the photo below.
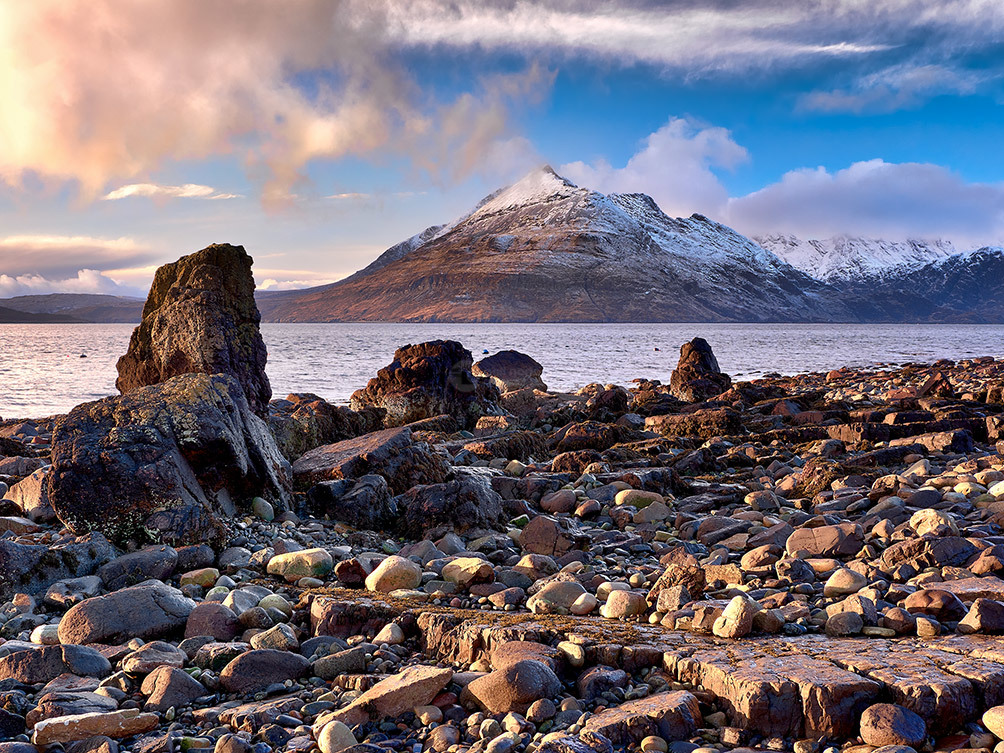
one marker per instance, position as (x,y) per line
(41,371)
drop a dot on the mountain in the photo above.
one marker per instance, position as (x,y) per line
(13,316)
(849,259)
(545,249)
(78,307)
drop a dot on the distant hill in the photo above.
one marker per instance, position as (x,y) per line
(75,308)
(13,316)
(545,250)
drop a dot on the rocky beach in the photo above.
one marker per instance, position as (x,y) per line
(465,561)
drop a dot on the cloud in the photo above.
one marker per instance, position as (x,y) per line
(99,91)
(156,191)
(675,166)
(875,198)
(61,256)
(85,281)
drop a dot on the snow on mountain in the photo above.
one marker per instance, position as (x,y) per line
(849,259)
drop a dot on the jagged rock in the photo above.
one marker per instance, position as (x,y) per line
(32,568)
(511,370)
(200,317)
(697,376)
(304,421)
(390,453)
(427,380)
(466,503)
(366,503)
(164,462)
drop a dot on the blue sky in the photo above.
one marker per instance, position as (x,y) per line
(318,133)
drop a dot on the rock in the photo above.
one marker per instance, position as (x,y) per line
(844,581)
(32,497)
(736,619)
(466,571)
(169,686)
(466,504)
(670,716)
(413,686)
(212,619)
(925,522)
(256,670)
(697,376)
(993,720)
(390,453)
(510,370)
(394,573)
(200,317)
(304,421)
(426,380)
(307,563)
(335,737)
(350,661)
(621,604)
(31,568)
(514,687)
(116,724)
(39,666)
(167,462)
(552,536)
(985,616)
(844,624)
(149,610)
(841,540)
(889,724)
(366,504)
(280,637)
(556,596)
(150,656)
(157,562)
(942,605)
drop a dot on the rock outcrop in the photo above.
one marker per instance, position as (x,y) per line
(510,371)
(303,421)
(200,318)
(426,380)
(165,463)
(697,376)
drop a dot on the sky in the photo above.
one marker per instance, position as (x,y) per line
(317,133)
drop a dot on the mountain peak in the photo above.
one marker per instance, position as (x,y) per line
(538,185)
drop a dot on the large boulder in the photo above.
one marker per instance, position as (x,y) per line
(426,380)
(389,453)
(303,421)
(510,370)
(697,376)
(32,568)
(164,463)
(200,318)
(149,610)
(466,503)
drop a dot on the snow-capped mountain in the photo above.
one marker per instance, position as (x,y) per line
(544,249)
(850,259)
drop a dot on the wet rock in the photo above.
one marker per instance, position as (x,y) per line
(200,317)
(697,377)
(429,379)
(170,461)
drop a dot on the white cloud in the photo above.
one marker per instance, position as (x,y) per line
(675,166)
(85,281)
(875,198)
(157,191)
(60,256)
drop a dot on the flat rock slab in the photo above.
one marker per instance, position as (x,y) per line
(671,716)
(117,724)
(414,686)
(970,589)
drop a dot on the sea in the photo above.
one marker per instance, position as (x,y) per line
(49,368)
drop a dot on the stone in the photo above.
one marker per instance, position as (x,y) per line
(985,616)
(306,563)
(348,662)
(280,637)
(212,619)
(413,686)
(32,497)
(510,370)
(669,716)
(552,536)
(736,619)
(844,624)
(157,562)
(168,687)
(167,462)
(926,522)
(621,604)
(465,504)
(514,687)
(889,724)
(466,571)
(150,656)
(841,540)
(149,610)
(257,669)
(304,421)
(367,503)
(697,377)
(934,602)
(394,573)
(993,720)
(200,317)
(115,724)
(335,737)
(33,568)
(844,581)
(390,453)
(42,665)
(556,596)
(426,380)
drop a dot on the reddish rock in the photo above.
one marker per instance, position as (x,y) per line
(697,377)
